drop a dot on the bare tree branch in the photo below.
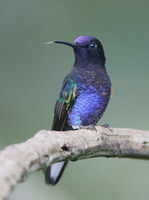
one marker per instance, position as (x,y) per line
(46,147)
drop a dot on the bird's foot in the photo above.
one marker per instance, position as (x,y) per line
(111,128)
(89,127)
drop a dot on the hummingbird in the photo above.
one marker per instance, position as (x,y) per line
(84,95)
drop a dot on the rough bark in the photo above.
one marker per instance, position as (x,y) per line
(46,147)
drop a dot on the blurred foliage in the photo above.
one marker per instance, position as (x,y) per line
(31,74)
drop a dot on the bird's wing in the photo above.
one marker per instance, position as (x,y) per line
(64,103)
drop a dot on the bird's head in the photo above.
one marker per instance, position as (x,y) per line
(86,49)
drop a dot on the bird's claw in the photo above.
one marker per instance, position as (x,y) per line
(111,128)
(89,127)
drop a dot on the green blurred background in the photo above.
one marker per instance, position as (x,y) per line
(31,74)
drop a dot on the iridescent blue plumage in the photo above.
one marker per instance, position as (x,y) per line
(84,95)
(88,106)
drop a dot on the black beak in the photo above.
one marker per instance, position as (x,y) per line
(63,42)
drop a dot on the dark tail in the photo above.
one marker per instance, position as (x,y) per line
(54,172)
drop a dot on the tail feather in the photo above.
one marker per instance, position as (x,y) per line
(54,172)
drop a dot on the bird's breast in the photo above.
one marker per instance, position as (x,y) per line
(89,105)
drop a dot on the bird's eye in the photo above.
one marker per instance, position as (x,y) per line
(92,46)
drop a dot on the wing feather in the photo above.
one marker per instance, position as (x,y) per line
(64,103)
